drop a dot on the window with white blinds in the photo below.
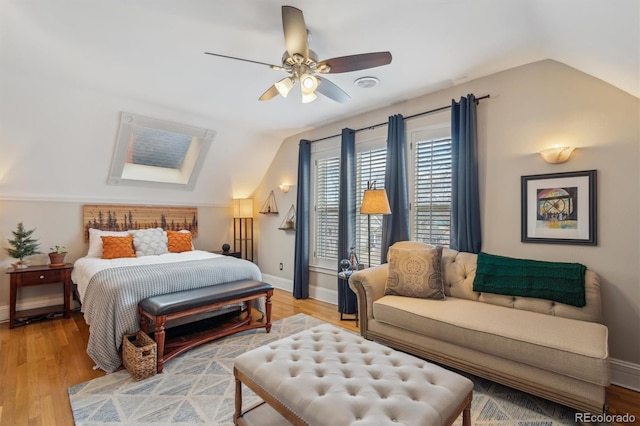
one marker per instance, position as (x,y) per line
(429,163)
(326,208)
(370,168)
(432,191)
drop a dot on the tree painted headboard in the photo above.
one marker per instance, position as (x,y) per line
(123,218)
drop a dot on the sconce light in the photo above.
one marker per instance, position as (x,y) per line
(285,187)
(557,154)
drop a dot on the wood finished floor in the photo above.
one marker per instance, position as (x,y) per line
(39,361)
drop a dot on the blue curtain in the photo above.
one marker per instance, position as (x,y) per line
(465,200)
(347,302)
(301,259)
(395,227)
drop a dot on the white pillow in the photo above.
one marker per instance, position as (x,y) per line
(95,242)
(148,242)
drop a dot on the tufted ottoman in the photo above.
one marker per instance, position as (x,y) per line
(328,376)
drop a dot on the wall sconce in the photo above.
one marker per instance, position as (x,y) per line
(284,187)
(557,154)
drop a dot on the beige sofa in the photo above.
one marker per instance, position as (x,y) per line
(545,348)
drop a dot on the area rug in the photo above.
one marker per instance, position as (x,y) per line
(197,388)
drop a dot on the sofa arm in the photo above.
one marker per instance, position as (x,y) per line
(368,285)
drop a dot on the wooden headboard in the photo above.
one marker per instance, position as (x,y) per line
(123,218)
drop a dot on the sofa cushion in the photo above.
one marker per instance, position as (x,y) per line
(415,273)
(566,346)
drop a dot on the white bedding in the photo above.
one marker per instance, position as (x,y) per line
(86,267)
(110,291)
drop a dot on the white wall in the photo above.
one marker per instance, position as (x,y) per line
(531,107)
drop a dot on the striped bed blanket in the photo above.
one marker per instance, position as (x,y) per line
(110,304)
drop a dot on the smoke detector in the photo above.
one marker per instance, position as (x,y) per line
(366,82)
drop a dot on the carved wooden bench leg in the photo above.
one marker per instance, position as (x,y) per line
(159,337)
(144,321)
(267,308)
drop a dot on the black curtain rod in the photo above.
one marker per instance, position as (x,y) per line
(420,114)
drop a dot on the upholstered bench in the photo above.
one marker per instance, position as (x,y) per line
(328,376)
(165,307)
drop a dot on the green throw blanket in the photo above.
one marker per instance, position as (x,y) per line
(557,281)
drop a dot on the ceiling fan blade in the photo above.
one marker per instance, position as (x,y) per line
(354,62)
(271,93)
(332,91)
(295,31)
(245,60)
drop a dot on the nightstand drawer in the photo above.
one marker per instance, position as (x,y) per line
(36,277)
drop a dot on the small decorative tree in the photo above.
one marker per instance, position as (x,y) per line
(23,245)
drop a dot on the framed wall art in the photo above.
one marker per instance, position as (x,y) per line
(559,208)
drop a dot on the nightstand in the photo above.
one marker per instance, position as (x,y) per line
(39,275)
(228,253)
(347,300)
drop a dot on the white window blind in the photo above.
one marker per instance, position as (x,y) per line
(326,210)
(370,167)
(432,191)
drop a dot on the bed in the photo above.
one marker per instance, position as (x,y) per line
(110,288)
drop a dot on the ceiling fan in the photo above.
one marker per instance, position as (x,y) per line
(303,65)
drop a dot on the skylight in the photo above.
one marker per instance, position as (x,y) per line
(158,153)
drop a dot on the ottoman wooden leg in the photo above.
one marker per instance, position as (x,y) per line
(466,413)
(238,401)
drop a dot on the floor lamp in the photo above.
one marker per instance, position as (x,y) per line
(243,227)
(374,201)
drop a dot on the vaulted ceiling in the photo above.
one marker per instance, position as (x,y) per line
(153,51)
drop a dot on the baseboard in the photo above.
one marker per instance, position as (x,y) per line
(623,373)
(318,293)
(278,282)
(32,303)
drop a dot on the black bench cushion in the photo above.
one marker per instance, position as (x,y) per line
(179,301)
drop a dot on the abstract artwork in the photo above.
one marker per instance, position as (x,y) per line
(559,208)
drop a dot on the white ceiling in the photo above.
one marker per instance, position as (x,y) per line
(153,49)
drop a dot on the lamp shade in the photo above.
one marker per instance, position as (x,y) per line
(242,208)
(557,154)
(375,201)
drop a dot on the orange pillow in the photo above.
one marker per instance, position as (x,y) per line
(114,247)
(179,241)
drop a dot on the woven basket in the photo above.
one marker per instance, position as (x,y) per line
(139,355)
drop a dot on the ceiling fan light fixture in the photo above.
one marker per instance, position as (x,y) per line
(284,86)
(308,83)
(308,97)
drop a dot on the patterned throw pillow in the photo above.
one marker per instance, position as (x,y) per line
(179,241)
(115,247)
(148,242)
(415,273)
(95,242)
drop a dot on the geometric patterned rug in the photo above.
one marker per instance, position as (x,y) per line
(197,388)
